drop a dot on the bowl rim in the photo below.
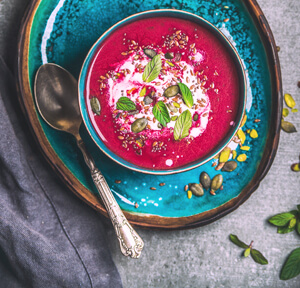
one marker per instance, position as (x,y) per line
(85,115)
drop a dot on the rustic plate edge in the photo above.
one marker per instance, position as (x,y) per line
(151,221)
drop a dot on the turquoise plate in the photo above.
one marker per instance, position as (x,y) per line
(63,31)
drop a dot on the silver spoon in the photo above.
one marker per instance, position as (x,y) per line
(56,98)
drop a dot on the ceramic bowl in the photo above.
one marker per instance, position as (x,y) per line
(163,13)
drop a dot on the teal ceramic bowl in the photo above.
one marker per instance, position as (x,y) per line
(152,14)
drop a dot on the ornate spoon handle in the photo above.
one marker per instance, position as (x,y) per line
(131,244)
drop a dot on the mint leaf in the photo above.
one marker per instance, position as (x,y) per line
(161,113)
(186,95)
(291,267)
(152,69)
(285,229)
(298,227)
(258,257)
(237,241)
(183,125)
(125,104)
(281,219)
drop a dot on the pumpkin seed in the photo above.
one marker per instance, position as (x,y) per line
(288,127)
(234,154)
(150,52)
(289,100)
(174,118)
(196,117)
(169,55)
(242,157)
(139,125)
(294,110)
(176,104)
(224,155)
(159,126)
(229,166)
(245,148)
(253,134)
(189,194)
(285,112)
(216,183)
(95,105)
(133,112)
(295,167)
(196,189)
(171,91)
(147,100)
(244,120)
(205,180)
(241,135)
(172,108)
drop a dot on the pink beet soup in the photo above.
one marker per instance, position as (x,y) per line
(168,92)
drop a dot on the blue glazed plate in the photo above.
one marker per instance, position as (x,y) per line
(62,32)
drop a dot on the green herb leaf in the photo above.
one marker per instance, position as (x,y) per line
(247,252)
(125,104)
(237,241)
(183,125)
(258,257)
(152,69)
(186,95)
(281,219)
(298,227)
(291,267)
(161,113)
(285,230)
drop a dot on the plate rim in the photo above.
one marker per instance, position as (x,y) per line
(26,101)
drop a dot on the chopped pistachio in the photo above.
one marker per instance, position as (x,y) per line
(245,148)
(242,157)
(224,155)
(285,112)
(241,135)
(289,100)
(253,134)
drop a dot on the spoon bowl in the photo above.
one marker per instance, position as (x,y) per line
(57,105)
(56,97)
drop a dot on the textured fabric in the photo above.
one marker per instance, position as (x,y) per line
(48,237)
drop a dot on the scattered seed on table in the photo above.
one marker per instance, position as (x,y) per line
(118,181)
(152,188)
(186,187)
(162,184)
(136,205)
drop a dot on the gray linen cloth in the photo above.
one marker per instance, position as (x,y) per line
(48,237)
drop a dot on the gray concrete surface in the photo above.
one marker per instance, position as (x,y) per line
(204,257)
